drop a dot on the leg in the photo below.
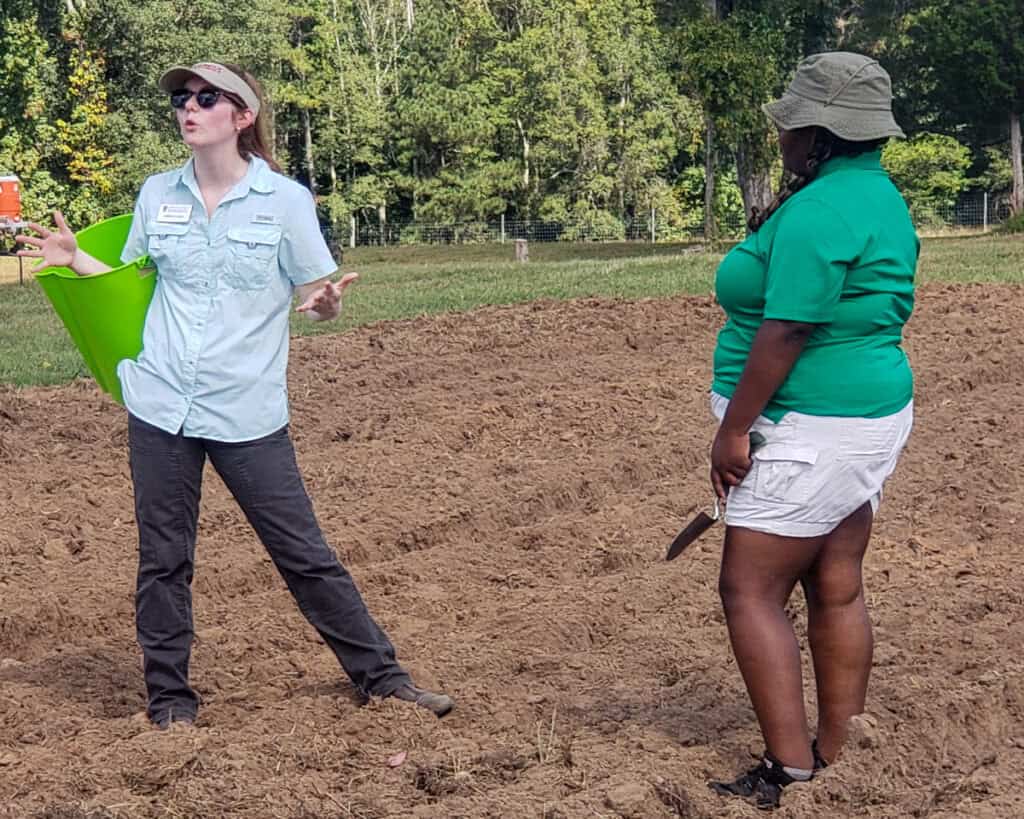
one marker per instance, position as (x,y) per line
(839,629)
(758,574)
(265,480)
(167,473)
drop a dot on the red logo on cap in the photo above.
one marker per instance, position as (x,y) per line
(210,66)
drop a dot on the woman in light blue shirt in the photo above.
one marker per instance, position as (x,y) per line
(233,241)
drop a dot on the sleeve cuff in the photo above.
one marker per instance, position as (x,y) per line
(806,317)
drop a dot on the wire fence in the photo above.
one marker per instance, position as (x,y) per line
(977,211)
(973,212)
(648,228)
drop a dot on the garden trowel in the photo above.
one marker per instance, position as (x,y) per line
(703,521)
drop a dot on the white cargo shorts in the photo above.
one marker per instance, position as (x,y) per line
(814,471)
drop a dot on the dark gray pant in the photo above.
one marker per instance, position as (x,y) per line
(262,475)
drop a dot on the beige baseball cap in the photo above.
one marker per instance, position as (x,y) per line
(216,75)
(850,94)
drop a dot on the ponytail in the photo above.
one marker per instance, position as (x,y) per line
(254,140)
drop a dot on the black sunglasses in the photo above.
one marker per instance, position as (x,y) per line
(205,97)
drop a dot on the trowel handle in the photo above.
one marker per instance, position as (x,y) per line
(757,440)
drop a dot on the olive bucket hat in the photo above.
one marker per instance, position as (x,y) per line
(849,94)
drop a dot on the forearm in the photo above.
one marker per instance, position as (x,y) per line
(776,348)
(85,265)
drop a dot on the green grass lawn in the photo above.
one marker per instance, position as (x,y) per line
(411,281)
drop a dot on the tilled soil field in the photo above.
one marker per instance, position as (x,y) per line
(503,486)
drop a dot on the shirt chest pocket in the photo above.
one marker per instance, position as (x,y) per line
(172,250)
(252,257)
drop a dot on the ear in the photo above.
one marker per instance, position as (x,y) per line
(816,140)
(243,119)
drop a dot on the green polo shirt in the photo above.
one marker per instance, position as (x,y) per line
(840,253)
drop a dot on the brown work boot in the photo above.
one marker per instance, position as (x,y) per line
(440,704)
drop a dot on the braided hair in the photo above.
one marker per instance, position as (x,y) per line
(826,146)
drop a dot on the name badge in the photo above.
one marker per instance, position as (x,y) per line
(264,219)
(174,214)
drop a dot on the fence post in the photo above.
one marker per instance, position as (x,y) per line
(654,232)
(984,212)
(522,251)
(503,228)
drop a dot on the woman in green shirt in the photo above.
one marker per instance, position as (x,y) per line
(810,357)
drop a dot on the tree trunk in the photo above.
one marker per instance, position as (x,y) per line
(382,217)
(710,230)
(415,185)
(1017,197)
(622,153)
(310,165)
(526,154)
(754,180)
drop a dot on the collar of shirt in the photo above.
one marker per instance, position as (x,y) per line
(258,178)
(870,161)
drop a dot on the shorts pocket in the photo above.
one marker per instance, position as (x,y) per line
(783,473)
(252,257)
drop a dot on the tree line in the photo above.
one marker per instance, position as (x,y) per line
(589,111)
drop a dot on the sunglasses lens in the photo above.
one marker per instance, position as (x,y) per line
(207,98)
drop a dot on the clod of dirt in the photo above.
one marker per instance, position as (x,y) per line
(629,800)
(864,731)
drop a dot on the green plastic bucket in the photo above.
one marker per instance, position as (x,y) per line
(104,313)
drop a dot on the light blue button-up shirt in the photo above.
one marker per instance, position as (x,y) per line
(215,343)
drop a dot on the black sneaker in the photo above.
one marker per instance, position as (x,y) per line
(761,785)
(440,704)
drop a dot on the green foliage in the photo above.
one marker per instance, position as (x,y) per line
(80,138)
(974,54)
(575,110)
(958,67)
(930,170)
(28,103)
(729,212)
(729,66)
(997,176)
(593,223)
(1015,224)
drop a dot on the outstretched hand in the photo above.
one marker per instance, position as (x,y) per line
(53,248)
(324,303)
